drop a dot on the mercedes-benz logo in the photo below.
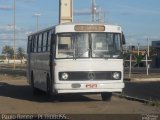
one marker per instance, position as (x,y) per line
(91,75)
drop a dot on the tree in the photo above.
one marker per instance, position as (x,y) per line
(8,51)
(20,53)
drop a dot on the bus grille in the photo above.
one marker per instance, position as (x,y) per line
(88,75)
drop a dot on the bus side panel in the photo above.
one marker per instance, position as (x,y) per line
(40,68)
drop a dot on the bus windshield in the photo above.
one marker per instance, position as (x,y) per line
(88,45)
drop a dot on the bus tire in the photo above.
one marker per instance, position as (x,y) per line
(35,91)
(106,96)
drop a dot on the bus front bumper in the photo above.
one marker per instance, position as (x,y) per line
(88,88)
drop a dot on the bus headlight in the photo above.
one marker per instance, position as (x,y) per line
(65,76)
(116,75)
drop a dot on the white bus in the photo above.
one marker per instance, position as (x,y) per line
(76,58)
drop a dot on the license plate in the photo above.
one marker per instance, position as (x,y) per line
(91,86)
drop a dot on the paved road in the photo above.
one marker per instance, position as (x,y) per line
(16,97)
(141,70)
(143,90)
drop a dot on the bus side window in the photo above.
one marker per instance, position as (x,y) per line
(49,40)
(29,44)
(35,43)
(32,45)
(44,42)
(53,42)
(40,43)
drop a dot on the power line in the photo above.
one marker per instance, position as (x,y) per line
(12,39)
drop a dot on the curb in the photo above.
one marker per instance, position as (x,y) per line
(132,98)
(142,79)
(13,72)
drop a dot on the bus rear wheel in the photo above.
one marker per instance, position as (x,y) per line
(106,96)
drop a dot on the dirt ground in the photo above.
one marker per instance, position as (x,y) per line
(16,97)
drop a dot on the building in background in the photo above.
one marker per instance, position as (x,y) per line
(156,54)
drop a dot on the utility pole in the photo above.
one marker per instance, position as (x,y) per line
(37,15)
(14,25)
(94,10)
(97,13)
(138,48)
(148,46)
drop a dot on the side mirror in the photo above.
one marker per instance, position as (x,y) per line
(123,39)
(53,37)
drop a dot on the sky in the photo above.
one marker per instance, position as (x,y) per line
(139,19)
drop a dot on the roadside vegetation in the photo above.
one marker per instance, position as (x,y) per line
(155,103)
(8,53)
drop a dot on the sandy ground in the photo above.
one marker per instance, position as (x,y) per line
(16,97)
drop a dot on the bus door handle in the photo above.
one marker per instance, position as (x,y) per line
(45,72)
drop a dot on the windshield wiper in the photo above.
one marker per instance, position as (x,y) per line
(101,53)
(79,55)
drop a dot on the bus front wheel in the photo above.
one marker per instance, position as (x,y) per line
(106,96)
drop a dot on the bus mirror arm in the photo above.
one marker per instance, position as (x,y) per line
(53,37)
(123,39)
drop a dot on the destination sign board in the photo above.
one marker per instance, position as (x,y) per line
(89,28)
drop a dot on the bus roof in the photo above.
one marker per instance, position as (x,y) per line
(47,29)
(87,27)
(82,27)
